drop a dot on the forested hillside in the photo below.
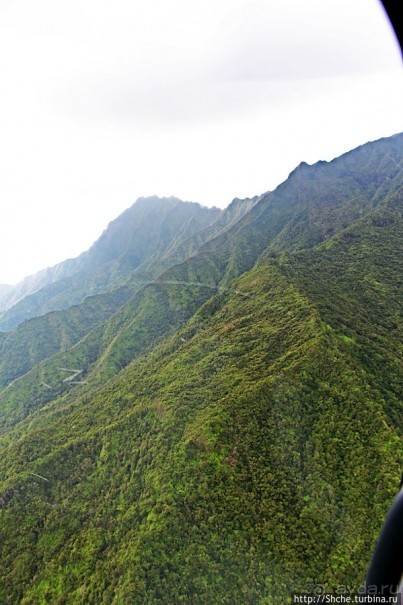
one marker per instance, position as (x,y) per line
(224,426)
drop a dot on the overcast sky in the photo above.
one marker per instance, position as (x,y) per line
(105,101)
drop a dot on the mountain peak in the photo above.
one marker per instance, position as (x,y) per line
(146,228)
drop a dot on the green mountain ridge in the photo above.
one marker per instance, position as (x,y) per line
(235,435)
(17,356)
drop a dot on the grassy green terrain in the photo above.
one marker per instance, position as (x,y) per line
(237,434)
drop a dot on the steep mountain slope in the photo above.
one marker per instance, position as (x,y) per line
(143,232)
(4,288)
(21,351)
(356,282)
(322,192)
(313,204)
(230,465)
(179,253)
(35,340)
(33,283)
(237,434)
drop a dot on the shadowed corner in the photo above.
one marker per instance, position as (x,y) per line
(393,11)
(386,568)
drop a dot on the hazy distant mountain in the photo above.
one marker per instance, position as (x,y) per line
(145,231)
(31,342)
(4,288)
(225,426)
(33,283)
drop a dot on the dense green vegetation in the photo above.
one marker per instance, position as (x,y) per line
(355,280)
(238,434)
(40,338)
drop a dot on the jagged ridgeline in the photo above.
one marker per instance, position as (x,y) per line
(206,407)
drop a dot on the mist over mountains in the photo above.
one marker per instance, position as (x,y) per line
(145,230)
(206,406)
